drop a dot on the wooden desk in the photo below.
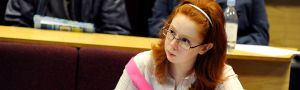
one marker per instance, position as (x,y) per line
(256,71)
(75,39)
(261,71)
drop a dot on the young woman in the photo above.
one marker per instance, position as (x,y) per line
(191,54)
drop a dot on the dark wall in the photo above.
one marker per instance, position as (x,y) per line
(2,10)
(139,11)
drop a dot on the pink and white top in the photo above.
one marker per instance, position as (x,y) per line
(138,75)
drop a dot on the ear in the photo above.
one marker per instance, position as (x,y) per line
(205,48)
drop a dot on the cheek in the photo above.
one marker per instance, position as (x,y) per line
(167,43)
(186,53)
(186,57)
(191,54)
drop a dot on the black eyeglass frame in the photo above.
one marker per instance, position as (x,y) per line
(174,37)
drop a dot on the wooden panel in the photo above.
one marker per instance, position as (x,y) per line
(262,75)
(284,19)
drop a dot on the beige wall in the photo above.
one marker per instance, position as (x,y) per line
(284,19)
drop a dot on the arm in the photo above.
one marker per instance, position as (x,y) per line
(112,18)
(257,33)
(20,13)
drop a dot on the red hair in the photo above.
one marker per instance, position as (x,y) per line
(209,66)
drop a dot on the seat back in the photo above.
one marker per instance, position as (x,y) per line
(101,68)
(37,67)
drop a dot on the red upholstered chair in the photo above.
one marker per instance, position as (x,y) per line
(37,67)
(101,68)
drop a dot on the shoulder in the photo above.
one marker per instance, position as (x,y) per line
(143,57)
(143,60)
(231,81)
(136,68)
(228,71)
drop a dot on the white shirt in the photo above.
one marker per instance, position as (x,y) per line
(144,63)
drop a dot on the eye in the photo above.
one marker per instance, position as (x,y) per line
(171,31)
(185,40)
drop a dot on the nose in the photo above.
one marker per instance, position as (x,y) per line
(174,43)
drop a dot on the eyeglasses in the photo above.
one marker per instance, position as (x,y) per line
(183,42)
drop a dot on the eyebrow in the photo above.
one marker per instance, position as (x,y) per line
(181,35)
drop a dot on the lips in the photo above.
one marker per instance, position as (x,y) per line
(171,54)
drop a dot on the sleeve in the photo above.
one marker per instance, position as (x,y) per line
(125,83)
(159,13)
(142,61)
(112,18)
(259,34)
(19,13)
(231,81)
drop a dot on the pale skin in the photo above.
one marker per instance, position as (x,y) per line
(182,60)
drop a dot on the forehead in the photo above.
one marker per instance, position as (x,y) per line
(186,26)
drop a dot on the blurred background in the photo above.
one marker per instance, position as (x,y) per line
(283,16)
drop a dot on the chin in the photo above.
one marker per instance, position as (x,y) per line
(171,59)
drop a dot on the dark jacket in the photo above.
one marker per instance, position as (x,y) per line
(108,16)
(252,25)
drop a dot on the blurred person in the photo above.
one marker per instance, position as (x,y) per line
(253,23)
(108,16)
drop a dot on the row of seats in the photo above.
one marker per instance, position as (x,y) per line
(49,67)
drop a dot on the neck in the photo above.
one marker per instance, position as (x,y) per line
(179,72)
